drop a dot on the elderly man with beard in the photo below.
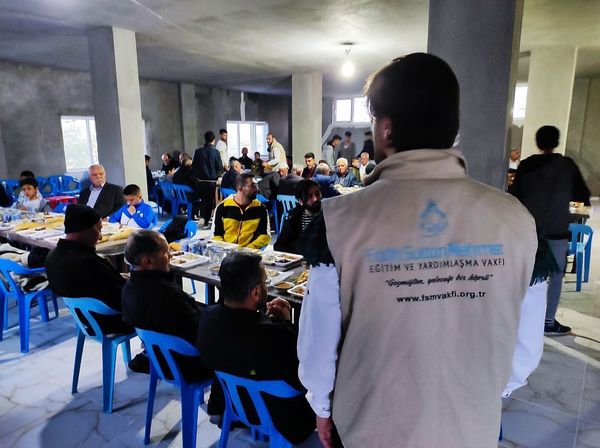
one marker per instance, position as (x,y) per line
(309,196)
(241,218)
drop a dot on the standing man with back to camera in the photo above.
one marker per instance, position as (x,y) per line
(409,322)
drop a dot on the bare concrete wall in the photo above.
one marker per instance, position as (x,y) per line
(33,98)
(162,116)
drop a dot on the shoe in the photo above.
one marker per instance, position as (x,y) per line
(556,329)
(140,364)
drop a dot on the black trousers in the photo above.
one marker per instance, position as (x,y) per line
(207,197)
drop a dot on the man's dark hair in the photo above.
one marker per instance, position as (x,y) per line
(240,181)
(368,133)
(30,181)
(302,189)
(233,159)
(257,153)
(26,173)
(348,134)
(131,190)
(209,136)
(546,137)
(147,158)
(168,155)
(140,244)
(239,273)
(222,131)
(309,155)
(420,94)
(336,137)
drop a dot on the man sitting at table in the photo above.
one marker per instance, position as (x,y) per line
(228,179)
(31,199)
(289,182)
(75,270)
(103,197)
(325,181)
(241,218)
(153,301)
(298,219)
(344,176)
(234,338)
(135,213)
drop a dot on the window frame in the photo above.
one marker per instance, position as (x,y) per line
(352,104)
(253,126)
(87,119)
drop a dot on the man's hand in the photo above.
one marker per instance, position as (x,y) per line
(279,309)
(131,209)
(325,430)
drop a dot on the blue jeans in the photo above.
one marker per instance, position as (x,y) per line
(559,250)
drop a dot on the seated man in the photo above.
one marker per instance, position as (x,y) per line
(245,160)
(153,301)
(298,219)
(241,218)
(234,338)
(257,165)
(31,199)
(325,181)
(103,197)
(311,166)
(268,186)
(366,165)
(288,183)
(74,270)
(135,213)
(228,179)
(344,176)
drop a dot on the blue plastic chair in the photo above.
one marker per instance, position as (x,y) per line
(581,247)
(10,289)
(288,202)
(68,185)
(190,229)
(81,309)
(49,186)
(163,346)
(168,195)
(226,192)
(181,193)
(234,410)
(12,187)
(61,207)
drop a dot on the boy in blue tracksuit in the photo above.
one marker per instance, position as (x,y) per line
(135,213)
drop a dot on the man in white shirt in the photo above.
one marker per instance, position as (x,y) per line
(222,148)
(277,157)
(366,165)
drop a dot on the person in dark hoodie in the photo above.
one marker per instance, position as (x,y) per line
(545,183)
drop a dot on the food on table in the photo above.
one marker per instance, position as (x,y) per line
(298,290)
(214,269)
(122,235)
(27,225)
(175,246)
(103,239)
(284,285)
(272,273)
(303,277)
(177,253)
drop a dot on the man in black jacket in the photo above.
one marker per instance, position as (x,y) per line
(545,183)
(153,301)
(75,270)
(207,167)
(298,219)
(103,197)
(234,338)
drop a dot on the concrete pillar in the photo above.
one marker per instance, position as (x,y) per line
(480,41)
(117,105)
(549,93)
(307,113)
(189,120)
(3,170)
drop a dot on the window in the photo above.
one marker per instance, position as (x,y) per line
(249,134)
(520,103)
(79,140)
(352,110)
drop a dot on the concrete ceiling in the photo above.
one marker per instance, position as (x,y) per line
(255,45)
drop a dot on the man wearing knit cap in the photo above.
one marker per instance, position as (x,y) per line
(75,270)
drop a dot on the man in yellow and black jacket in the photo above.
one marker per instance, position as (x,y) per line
(241,218)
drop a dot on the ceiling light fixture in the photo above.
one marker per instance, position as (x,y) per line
(348,65)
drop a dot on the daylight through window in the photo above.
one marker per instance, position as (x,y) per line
(79,140)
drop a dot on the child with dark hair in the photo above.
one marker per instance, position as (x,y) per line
(135,213)
(31,199)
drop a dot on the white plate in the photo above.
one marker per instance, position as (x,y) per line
(188,260)
(281,259)
(278,278)
(6,226)
(40,234)
(298,290)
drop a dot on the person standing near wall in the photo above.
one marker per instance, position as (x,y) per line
(545,183)
(222,148)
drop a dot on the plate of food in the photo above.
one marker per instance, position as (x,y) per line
(302,278)
(41,232)
(187,260)
(283,286)
(298,290)
(281,259)
(214,269)
(6,226)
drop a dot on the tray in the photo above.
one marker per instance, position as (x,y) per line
(283,260)
(188,260)
(298,290)
(281,276)
(40,234)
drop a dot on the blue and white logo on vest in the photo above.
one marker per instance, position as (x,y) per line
(432,221)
